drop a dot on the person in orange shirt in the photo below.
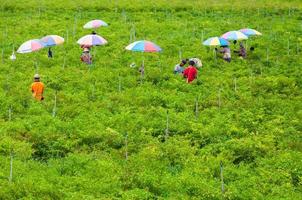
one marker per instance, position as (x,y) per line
(37,88)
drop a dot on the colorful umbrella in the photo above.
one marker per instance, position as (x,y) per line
(234,35)
(30,46)
(143,46)
(52,40)
(216,41)
(92,40)
(249,32)
(95,24)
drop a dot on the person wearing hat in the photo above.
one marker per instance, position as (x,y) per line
(190,73)
(179,68)
(242,51)
(226,51)
(37,88)
(86,57)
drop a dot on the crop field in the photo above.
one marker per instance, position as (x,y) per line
(102,132)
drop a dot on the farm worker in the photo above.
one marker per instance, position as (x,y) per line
(49,53)
(37,88)
(242,51)
(179,68)
(86,57)
(197,61)
(226,53)
(190,72)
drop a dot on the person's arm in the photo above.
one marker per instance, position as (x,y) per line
(32,88)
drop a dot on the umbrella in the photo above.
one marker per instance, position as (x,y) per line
(52,40)
(216,41)
(234,35)
(95,24)
(197,62)
(92,40)
(30,46)
(249,32)
(143,46)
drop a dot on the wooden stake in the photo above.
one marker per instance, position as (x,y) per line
(126,147)
(196,107)
(221,177)
(167,126)
(10,113)
(235,84)
(54,106)
(64,62)
(219,98)
(288,47)
(10,179)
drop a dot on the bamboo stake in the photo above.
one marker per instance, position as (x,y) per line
(10,179)
(167,126)
(288,47)
(235,84)
(221,177)
(55,105)
(196,107)
(219,98)
(126,147)
(10,113)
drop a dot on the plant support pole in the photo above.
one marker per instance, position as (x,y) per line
(221,177)
(10,179)
(10,113)
(55,106)
(126,146)
(196,107)
(167,126)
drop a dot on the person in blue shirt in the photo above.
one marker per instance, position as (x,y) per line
(179,68)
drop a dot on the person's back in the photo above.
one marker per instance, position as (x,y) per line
(37,88)
(190,72)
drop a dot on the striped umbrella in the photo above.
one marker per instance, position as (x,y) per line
(95,24)
(216,41)
(30,46)
(52,40)
(234,35)
(249,32)
(143,46)
(92,40)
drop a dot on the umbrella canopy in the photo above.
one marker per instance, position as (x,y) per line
(143,46)
(95,24)
(92,40)
(30,46)
(197,62)
(249,32)
(52,40)
(216,41)
(234,35)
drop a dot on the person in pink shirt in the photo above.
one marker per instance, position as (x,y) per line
(190,72)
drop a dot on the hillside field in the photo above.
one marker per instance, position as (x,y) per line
(102,133)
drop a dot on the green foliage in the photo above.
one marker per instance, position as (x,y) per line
(109,137)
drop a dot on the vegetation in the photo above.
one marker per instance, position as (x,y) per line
(109,136)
